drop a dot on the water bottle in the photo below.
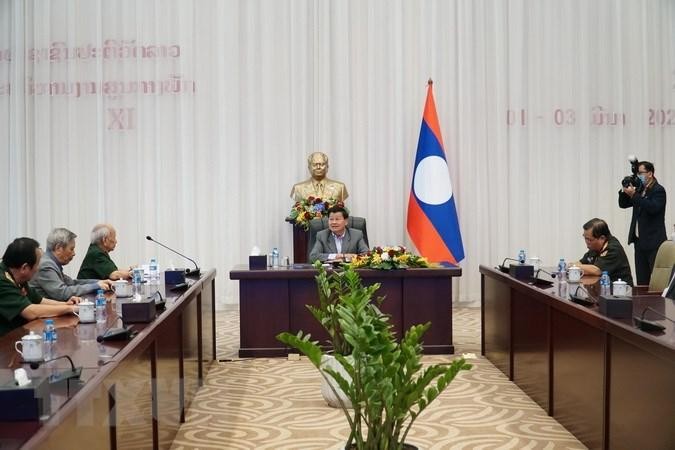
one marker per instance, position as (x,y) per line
(522,256)
(562,286)
(49,333)
(605,283)
(100,306)
(275,257)
(153,276)
(562,266)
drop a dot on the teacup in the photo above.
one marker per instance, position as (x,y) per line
(619,288)
(31,347)
(123,288)
(575,273)
(86,311)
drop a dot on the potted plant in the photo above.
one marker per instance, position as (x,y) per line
(389,258)
(331,287)
(389,386)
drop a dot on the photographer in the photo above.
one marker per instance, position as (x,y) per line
(647,226)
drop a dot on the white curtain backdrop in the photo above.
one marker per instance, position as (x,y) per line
(191,120)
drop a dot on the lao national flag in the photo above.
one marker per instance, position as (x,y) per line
(432,217)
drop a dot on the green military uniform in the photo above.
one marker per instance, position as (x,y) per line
(14,298)
(96,264)
(613,259)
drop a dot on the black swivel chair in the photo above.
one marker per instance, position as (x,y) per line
(316,225)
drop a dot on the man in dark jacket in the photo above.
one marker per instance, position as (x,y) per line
(647,226)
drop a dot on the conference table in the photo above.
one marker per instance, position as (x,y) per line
(609,383)
(132,393)
(272,301)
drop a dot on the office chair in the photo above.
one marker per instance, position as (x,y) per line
(316,225)
(663,265)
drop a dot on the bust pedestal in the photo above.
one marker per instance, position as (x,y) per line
(300,240)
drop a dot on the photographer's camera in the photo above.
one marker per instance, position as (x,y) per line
(633,179)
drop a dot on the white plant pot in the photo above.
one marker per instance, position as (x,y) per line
(328,394)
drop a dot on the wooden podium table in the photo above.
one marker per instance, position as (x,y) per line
(608,383)
(273,301)
(133,394)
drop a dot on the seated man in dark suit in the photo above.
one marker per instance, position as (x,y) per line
(337,242)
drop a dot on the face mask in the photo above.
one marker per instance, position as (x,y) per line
(643,178)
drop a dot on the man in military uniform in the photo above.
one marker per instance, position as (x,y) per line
(97,264)
(605,253)
(19,303)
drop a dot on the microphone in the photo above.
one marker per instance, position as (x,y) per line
(585,301)
(116,334)
(536,281)
(649,325)
(73,373)
(503,268)
(550,274)
(194,273)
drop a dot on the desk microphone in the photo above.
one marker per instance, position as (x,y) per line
(116,334)
(62,376)
(503,268)
(194,273)
(648,325)
(550,274)
(578,299)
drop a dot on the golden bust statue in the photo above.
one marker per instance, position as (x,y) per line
(319,185)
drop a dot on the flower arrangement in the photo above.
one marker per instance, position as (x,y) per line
(310,208)
(388,258)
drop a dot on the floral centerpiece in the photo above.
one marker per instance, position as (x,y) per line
(310,208)
(388,258)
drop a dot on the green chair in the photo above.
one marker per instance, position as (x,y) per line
(663,265)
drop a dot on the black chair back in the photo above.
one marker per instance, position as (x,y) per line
(316,225)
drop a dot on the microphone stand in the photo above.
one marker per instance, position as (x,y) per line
(66,375)
(122,333)
(550,274)
(649,325)
(503,268)
(192,273)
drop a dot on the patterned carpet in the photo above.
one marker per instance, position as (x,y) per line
(276,404)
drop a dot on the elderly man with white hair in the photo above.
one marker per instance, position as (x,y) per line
(50,281)
(97,262)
